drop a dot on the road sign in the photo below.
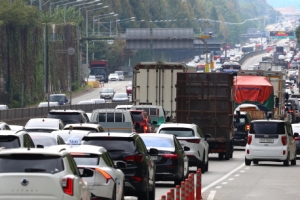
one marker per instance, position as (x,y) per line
(71,51)
(205,36)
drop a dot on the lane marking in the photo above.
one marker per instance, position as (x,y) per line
(242,171)
(222,178)
(218,187)
(211,195)
(231,179)
(224,183)
(237,175)
(247,168)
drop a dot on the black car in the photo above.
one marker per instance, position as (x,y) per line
(291,110)
(242,122)
(171,162)
(69,116)
(60,98)
(296,129)
(129,147)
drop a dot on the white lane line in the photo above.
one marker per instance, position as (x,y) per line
(231,179)
(242,171)
(247,168)
(218,187)
(211,195)
(237,175)
(224,177)
(224,183)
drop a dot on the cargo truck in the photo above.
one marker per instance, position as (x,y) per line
(153,83)
(205,99)
(99,69)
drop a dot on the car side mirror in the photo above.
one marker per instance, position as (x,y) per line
(120,164)
(168,119)
(296,135)
(185,148)
(207,135)
(153,151)
(40,146)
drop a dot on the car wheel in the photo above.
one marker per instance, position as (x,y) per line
(247,162)
(294,162)
(255,162)
(206,166)
(144,195)
(177,181)
(287,161)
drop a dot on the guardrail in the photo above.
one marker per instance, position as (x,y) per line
(20,116)
(187,190)
(251,54)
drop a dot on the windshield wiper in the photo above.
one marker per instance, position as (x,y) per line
(34,170)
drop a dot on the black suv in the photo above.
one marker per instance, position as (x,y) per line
(60,98)
(242,122)
(69,116)
(129,147)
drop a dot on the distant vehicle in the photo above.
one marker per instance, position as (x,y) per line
(121,75)
(5,126)
(46,140)
(72,137)
(271,140)
(99,69)
(69,116)
(120,97)
(98,101)
(43,125)
(107,93)
(86,102)
(51,173)
(45,104)
(15,139)
(3,107)
(129,88)
(60,98)
(113,77)
(142,121)
(230,67)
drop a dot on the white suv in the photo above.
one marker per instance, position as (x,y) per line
(40,174)
(270,140)
(121,75)
(15,139)
(189,135)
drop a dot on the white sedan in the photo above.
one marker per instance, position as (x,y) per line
(113,77)
(98,170)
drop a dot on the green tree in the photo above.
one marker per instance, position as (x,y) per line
(71,14)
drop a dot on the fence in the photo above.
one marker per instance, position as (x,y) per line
(20,116)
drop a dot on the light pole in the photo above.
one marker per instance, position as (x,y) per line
(65,6)
(100,17)
(118,20)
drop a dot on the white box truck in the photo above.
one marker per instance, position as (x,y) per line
(153,83)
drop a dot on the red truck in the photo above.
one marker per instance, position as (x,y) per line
(99,69)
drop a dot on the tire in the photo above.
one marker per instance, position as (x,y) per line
(144,195)
(206,166)
(221,156)
(294,162)
(247,162)
(255,162)
(287,161)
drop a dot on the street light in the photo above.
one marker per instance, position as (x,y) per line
(118,20)
(65,5)
(98,21)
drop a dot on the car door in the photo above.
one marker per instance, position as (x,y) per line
(291,140)
(183,156)
(203,143)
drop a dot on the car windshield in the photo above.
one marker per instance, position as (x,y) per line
(158,142)
(179,132)
(46,141)
(31,163)
(9,141)
(67,118)
(137,116)
(111,143)
(113,74)
(92,130)
(239,120)
(119,73)
(42,124)
(108,90)
(58,98)
(121,95)
(85,158)
(267,128)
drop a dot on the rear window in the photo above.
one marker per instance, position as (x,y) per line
(42,123)
(46,141)
(111,117)
(179,132)
(9,142)
(158,142)
(111,144)
(239,120)
(67,118)
(267,128)
(150,111)
(31,163)
(85,158)
(137,116)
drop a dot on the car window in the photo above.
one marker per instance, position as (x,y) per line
(111,143)
(46,141)
(179,132)
(137,116)
(9,141)
(267,128)
(106,158)
(30,163)
(154,142)
(111,117)
(73,165)
(199,131)
(85,158)
(67,118)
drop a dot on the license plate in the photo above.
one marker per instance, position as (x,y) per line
(266,141)
(153,157)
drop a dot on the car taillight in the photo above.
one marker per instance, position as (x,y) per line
(247,127)
(137,158)
(171,156)
(296,138)
(104,173)
(291,111)
(284,140)
(145,128)
(193,140)
(67,185)
(249,139)
(136,178)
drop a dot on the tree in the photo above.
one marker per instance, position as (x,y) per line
(70,14)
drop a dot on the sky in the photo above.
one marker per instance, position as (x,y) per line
(284,3)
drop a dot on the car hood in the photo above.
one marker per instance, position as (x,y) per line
(118,99)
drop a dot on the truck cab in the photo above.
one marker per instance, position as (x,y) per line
(241,122)
(99,69)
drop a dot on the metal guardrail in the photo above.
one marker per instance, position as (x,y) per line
(19,115)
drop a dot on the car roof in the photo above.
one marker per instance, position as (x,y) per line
(85,149)
(12,132)
(45,119)
(179,125)
(83,125)
(51,150)
(66,111)
(111,135)
(171,136)
(265,120)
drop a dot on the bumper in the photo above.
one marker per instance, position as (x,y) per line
(167,173)
(193,160)
(273,154)
(103,191)
(239,142)
(131,187)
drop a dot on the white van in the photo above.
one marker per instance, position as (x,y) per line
(121,75)
(113,120)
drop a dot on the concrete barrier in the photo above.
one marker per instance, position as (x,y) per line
(250,55)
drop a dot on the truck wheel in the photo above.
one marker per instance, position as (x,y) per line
(227,155)
(221,156)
